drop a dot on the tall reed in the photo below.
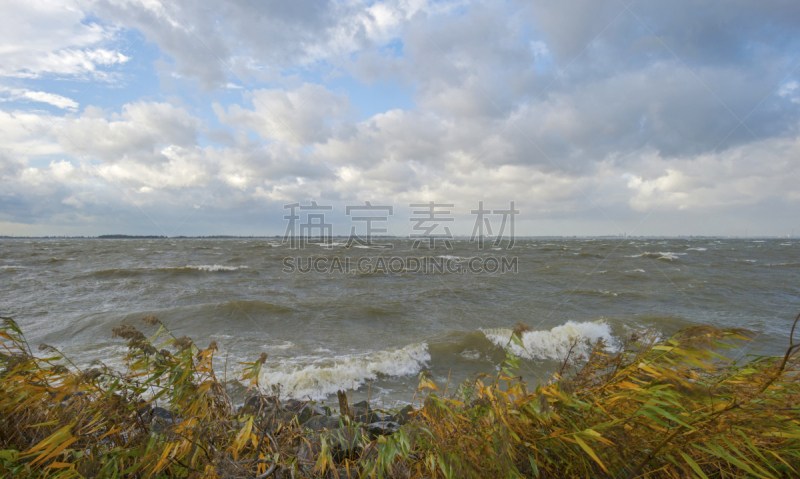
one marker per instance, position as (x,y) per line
(653,407)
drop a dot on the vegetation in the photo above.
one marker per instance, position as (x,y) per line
(652,408)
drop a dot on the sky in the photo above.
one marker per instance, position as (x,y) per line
(595,117)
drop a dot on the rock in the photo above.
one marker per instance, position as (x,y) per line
(305,414)
(363,405)
(162,419)
(318,423)
(144,410)
(402,416)
(369,418)
(382,428)
(257,403)
(161,413)
(321,410)
(358,411)
(294,405)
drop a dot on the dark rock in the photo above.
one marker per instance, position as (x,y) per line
(293,405)
(144,409)
(369,418)
(382,428)
(161,413)
(318,423)
(257,404)
(402,416)
(305,414)
(162,419)
(363,405)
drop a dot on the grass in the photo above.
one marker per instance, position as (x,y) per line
(654,408)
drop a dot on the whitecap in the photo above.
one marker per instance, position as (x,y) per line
(216,267)
(554,343)
(662,255)
(327,375)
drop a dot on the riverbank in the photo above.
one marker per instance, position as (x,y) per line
(672,407)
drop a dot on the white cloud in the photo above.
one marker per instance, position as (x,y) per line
(625,126)
(53,37)
(303,115)
(39,96)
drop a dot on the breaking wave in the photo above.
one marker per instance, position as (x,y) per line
(327,375)
(556,342)
(216,267)
(667,256)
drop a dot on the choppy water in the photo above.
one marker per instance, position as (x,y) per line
(377,331)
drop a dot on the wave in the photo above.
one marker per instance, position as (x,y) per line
(696,249)
(454,258)
(216,268)
(667,256)
(554,343)
(326,376)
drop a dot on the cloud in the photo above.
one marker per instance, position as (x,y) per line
(304,115)
(39,96)
(54,38)
(537,103)
(206,39)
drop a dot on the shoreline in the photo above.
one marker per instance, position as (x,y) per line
(674,397)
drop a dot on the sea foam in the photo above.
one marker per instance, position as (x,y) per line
(325,376)
(556,342)
(215,267)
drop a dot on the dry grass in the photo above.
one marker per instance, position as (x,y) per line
(654,408)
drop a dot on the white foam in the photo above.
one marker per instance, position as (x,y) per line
(556,342)
(455,258)
(635,271)
(663,255)
(696,249)
(216,267)
(328,375)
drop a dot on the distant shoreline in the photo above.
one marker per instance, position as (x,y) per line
(314,238)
